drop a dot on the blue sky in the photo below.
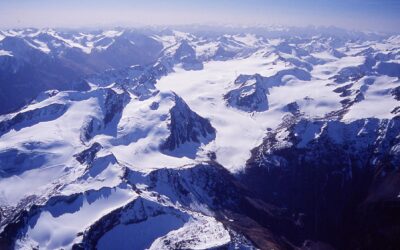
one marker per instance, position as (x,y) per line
(381,15)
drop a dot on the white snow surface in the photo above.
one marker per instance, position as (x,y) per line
(54,229)
(5,53)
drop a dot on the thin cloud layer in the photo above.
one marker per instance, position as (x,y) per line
(352,14)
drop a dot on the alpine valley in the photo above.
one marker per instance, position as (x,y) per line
(199,138)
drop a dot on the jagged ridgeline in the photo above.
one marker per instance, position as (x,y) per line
(165,139)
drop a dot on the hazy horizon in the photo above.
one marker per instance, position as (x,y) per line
(366,15)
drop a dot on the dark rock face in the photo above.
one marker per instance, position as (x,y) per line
(251,95)
(333,183)
(187,126)
(223,54)
(81,85)
(87,156)
(396,93)
(112,105)
(293,108)
(396,110)
(186,55)
(390,69)
(184,51)
(90,128)
(31,117)
(143,85)
(206,183)
(344,90)
(154,105)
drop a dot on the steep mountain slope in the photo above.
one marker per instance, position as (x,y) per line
(339,179)
(39,60)
(146,139)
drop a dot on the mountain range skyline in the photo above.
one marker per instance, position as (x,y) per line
(370,15)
